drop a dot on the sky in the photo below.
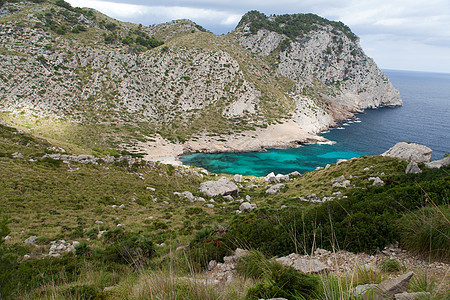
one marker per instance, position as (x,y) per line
(397,34)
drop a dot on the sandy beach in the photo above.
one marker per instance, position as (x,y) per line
(285,135)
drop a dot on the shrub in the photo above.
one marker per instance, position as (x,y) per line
(4,229)
(253,265)
(390,265)
(284,282)
(206,246)
(426,232)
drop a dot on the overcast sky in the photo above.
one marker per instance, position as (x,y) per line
(398,34)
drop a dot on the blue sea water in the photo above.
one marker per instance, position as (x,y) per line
(424,118)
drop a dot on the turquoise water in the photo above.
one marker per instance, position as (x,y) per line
(424,118)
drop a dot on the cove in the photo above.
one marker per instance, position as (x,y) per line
(424,118)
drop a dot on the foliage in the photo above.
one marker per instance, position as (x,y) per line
(206,246)
(365,221)
(253,265)
(390,265)
(284,282)
(426,231)
(4,229)
(293,26)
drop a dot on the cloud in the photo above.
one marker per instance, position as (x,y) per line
(160,13)
(387,26)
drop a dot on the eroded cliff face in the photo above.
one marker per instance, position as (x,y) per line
(325,61)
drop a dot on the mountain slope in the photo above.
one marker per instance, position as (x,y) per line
(88,81)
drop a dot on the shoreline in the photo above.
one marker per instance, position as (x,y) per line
(282,136)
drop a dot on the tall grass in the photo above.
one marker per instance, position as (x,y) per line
(426,232)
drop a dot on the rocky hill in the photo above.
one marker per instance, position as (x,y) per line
(90,82)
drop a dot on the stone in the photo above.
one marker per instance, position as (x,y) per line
(437,164)
(295,173)
(228,197)
(340,161)
(209,205)
(343,184)
(282,177)
(389,287)
(338,179)
(413,168)
(17,155)
(363,288)
(275,189)
(303,264)
(31,240)
(246,206)
(409,151)
(378,181)
(327,166)
(223,186)
(271,178)
(151,189)
(237,178)
(412,296)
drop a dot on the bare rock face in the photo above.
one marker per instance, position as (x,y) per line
(324,60)
(410,151)
(222,187)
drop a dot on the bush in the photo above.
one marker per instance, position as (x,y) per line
(130,248)
(390,265)
(284,282)
(206,246)
(82,292)
(426,231)
(253,265)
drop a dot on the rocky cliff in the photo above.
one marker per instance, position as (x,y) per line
(333,76)
(132,82)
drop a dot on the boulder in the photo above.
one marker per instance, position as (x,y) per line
(389,287)
(413,296)
(31,240)
(378,181)
(410,151)
(275,189)
(237,178)
(413,168)
(247,206)
(437,164)
(302,264)
(295,173)
(282,177)
(343,184)
(223,186)
(271,178)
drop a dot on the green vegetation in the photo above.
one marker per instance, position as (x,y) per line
(294,26)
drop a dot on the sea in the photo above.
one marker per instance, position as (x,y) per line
(424,118)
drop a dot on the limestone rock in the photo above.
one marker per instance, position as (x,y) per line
(303,263)
(410,151)
(413,168)
(275,189)
(31,240)
(378,181)
(223,186)
(437,164)
(247,206)
(237,178)
(271,178)
(412,296)
(389,287)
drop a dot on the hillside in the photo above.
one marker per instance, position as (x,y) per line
(90,82)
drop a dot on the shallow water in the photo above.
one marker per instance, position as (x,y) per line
(424,118)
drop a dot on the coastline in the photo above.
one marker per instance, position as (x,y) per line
(284,135)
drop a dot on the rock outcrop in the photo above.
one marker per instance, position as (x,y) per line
(437,164)
(222,187)
(410,151)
